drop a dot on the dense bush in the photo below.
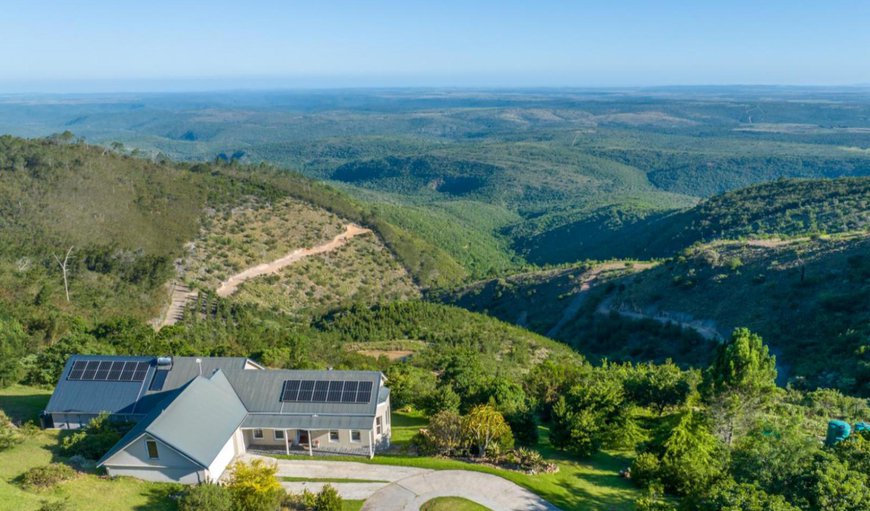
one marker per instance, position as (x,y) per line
(40,478)
(254,486)
(206,497)
(10,435)
(95,439)
(328,499)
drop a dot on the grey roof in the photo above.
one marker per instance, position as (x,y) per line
(258,390)
(98,396)
(197,419)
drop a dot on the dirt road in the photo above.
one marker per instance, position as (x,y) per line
(587,281)
(230,285)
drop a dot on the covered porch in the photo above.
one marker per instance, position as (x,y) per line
(308,441)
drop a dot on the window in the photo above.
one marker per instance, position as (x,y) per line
(151,445)
(279,434)
(355,436)
(258,433)
(333,435)
(379,427)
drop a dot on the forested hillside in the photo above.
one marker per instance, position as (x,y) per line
(551,176)
(782,208)
(121,226)
(804,295)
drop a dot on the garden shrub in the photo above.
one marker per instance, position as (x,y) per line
(41,478)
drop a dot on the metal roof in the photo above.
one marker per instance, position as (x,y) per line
(197,420)
(258,389)
(72,396)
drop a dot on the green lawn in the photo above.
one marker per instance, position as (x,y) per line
(452,504)
(404,425)
(87,491)
(352,505)
(588,484)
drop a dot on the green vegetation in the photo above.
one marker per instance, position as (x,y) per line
(40,449)
(451,504)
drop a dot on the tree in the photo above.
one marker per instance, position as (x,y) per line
(441,399)
(63,269)
(692,459)
(485,427)
(445,431)
(328,499)
(12,348)
(254,486)
(740,381)
(658,386)
(730,496)
(836,488)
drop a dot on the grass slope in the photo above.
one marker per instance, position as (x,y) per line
(86,490)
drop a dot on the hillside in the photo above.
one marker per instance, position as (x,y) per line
(802,295)
(132,225)
(785,207)
(808,298)
(557,176)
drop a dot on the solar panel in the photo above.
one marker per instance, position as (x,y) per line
(115,371)
(364,393)
(291,390)
(321,388)
(127,373)
(349,394)
(108,370)
(334,394)
(326,391)
(77,369)
(306,389)
(141,371)
(103,370)
(91,370)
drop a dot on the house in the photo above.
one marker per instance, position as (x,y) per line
(193,416)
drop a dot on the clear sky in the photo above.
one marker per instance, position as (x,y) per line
(178,44)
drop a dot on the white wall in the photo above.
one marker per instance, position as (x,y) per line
(170,466)
(224,457)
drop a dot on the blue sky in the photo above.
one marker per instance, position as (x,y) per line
(154,44)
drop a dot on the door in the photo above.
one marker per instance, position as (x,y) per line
(302,437)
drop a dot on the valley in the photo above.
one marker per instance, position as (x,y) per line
(579,264)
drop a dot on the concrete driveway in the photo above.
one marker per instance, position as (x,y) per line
(406,488)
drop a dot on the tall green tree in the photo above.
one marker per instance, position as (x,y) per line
(692,459)
(739,383)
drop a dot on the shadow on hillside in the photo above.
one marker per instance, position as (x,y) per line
(23,407)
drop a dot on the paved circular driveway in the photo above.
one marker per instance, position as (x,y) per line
(395,488)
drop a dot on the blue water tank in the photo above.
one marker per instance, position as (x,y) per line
(837,432)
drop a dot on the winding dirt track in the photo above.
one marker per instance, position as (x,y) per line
(587,281)
(230,285)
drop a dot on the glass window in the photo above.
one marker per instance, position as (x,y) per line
(355,436)
(279,434)
(151,445)
(333,435)
(258,433)
(379,427)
